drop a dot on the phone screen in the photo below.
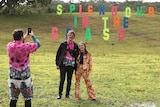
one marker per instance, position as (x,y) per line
(29,30)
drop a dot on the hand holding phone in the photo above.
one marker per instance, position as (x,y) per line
(29,30)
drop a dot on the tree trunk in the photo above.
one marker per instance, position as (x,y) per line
(11,11)
(11,4)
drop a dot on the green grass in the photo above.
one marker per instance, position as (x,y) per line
(123,74)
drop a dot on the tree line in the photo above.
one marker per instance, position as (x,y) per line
(19,7)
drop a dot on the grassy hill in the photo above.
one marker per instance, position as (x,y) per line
(124,73)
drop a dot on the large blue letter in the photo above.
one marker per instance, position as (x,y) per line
(101,9)
(125,23)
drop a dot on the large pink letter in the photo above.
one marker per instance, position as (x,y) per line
(54,33)
(80,10)
(121,33)
(84,21)
(114,10)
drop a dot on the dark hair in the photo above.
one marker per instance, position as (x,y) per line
(17,34)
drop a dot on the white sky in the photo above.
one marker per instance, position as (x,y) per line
(74,1)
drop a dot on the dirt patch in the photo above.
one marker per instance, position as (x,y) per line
(142,105)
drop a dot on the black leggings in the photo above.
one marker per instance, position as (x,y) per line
(63,72)
(14,102)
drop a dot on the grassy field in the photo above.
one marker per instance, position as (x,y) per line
(124,73)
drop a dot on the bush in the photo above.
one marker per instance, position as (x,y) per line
(30,9)
(4,11)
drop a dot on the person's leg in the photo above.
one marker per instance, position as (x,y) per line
(62,79)
(27,91)
(14,93)
(13,103)
(69,80)
(28,103)
(90,90)
(77,84)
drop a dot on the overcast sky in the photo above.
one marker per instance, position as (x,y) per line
(114,0)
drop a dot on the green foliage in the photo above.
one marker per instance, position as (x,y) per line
(124,73)
(27,6)
(4,11)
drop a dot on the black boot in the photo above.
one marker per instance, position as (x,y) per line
(13,103)
(27,103)
(67,95)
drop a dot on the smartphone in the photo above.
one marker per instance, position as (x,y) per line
(29,30)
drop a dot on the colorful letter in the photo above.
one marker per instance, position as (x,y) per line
(90,10)
(80,10)
(116,21)
(59,9)
(150,11)
(128,12)
(105,21)
(121,33)
(139,11)
(105,30)
(54,33)
(75,21)
(101,10)
(106,34)
(84,21)
(125,24)
(88,34)
(114,10)
(67,30)
(72,8)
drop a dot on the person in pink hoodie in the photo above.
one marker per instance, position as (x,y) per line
(19,66)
